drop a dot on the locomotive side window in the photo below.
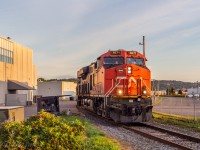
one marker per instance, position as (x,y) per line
(98,63)
(136,61)
(110,62)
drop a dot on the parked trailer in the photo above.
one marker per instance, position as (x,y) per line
(49,104)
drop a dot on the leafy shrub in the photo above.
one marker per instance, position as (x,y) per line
(48,132)
(44,131)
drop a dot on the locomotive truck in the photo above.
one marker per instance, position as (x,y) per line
(117,86)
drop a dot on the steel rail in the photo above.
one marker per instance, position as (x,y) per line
(144,134)
(150,136)
(181,135)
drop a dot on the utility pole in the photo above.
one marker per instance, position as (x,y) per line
(197,95)
(158,88)
(198,89)
(144,45)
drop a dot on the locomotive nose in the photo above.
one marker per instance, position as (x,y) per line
(138,80)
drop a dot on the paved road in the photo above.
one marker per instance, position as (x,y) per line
(178,106)
(171,105)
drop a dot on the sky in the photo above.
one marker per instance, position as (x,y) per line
(66,35)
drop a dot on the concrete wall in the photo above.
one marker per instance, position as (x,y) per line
(16,99)
(3,91)
(29,94)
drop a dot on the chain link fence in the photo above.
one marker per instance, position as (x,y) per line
(183,106)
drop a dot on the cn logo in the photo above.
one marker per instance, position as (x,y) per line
(130,80)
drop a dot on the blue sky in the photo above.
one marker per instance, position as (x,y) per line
(66,35)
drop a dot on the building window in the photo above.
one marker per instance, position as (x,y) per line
(6,56)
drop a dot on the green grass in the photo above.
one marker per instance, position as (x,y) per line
(101,143)
(172,95)
(95,139)
(177,120)
(90,129)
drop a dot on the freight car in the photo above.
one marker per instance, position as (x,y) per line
(117,86)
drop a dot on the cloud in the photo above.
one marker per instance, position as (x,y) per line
(67,35)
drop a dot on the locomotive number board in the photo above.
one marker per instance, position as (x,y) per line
(132,53)
(115,52)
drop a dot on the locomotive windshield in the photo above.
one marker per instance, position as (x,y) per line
(136,61)
(113,61)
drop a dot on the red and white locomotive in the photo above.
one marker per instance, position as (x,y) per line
(117,85)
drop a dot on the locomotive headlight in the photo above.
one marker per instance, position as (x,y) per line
(144,92)
(129,69)
(120,92)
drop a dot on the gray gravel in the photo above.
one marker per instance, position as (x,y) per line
(168,137)
(177,129)
(136,141)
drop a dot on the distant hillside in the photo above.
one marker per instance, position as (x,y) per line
(155,84)
(69,80)
(164,84)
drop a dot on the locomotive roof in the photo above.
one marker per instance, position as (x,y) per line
(107,54)
(137,54)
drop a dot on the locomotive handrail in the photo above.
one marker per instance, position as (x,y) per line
(109,89)
(146,86)
(106,94)
(105,102)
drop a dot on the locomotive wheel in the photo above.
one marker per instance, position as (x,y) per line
(104,114)
(99,112)
(79,102)
(95,109)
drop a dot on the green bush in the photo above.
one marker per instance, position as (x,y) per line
(48,132)
(44,131)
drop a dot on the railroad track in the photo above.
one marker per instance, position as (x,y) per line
(168,137)
(162,135)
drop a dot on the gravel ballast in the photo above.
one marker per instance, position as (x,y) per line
(135,141)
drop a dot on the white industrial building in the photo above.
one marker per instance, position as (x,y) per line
(193,91)
(56,88)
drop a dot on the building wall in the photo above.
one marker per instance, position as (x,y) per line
(34,74)
(193,91)
(16,99)
(3,92)
(69,88)
(53,88)
(19,68)
(56,88)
